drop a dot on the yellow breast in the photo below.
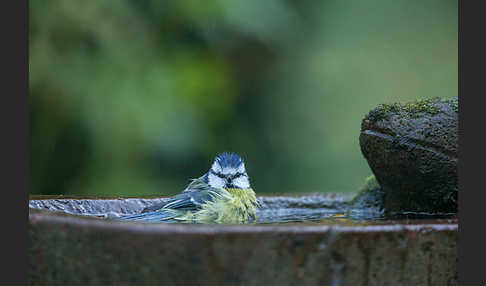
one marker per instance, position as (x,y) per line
(233,206)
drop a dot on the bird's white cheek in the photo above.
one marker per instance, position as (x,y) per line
(242,182)
(215,181)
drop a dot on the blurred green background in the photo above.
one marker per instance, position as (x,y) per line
(135,97)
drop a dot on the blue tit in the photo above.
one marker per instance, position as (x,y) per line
(222,195)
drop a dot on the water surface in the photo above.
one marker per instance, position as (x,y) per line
(307,209)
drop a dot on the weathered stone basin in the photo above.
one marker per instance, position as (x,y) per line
(66,248)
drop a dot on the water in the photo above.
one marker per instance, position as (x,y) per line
(310,209)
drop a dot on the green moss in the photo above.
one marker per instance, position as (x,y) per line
(423,106)
(413,109)
(370,195)
(377,114)
(370,184)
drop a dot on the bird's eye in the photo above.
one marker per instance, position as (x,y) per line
(237,175)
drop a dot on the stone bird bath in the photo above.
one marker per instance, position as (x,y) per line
(77,241)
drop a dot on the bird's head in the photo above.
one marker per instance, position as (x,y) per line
(228,171)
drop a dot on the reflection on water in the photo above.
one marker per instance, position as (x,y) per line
(347,216)
(296,215)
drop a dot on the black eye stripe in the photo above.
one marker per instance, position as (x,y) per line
(228,176)
(218,174)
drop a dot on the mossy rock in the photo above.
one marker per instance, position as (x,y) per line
(412,150)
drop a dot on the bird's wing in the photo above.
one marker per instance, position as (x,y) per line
(196,193)
(182,203)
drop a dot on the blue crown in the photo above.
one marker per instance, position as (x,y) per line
(229,160)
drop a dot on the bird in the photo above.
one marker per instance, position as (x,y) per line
(222,195)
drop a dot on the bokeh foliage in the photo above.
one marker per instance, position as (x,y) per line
(136,97)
